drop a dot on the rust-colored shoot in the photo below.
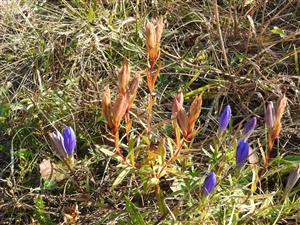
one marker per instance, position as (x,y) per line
(279,110)
(182,119)
(194,112)
(153,35)
(124,76)
(151,79)
(119,110)
(106,107)
(273,122)
(132,89)
(186,121)
(177,100)
(124,100)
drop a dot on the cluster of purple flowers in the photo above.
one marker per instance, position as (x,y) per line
(242,150)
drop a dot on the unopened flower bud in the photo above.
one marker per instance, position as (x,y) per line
(224,118)
(209,184)
(270,115)
(278,115)
(182,119)
(132,90)
(293,178)
(106,106)
(249,127)
(194,112)
(124,76)
(58,145)
(177,100)
(153,36)
(69,140)
(242,153)
(119,110)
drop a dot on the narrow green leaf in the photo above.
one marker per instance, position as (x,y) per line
(121,177)
(135,216)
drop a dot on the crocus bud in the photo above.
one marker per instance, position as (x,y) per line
(124,76)
(293,178)
(270,115)
(209,184)
(224,118)
(69,140)
(249,127)
(153,36)
(242,153)
(58,145)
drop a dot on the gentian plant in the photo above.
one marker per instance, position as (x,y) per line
(64,145)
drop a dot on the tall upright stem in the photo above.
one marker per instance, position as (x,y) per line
(150,102)
(268,154)
(117,144)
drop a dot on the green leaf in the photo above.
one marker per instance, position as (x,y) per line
(109,153)
(40,213)
(279,31)
(162,151)
(91,15)
(135,217)
(121,177)
(292,158)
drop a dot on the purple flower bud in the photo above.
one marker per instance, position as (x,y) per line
(58,144)
(270,115)
(69,140)
(242,153)
(249,127)
(209,184)
(293,178)
(224,118)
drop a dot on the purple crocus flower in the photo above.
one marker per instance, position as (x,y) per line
(242,153)
(209,184)
(69,140)
(249,127)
